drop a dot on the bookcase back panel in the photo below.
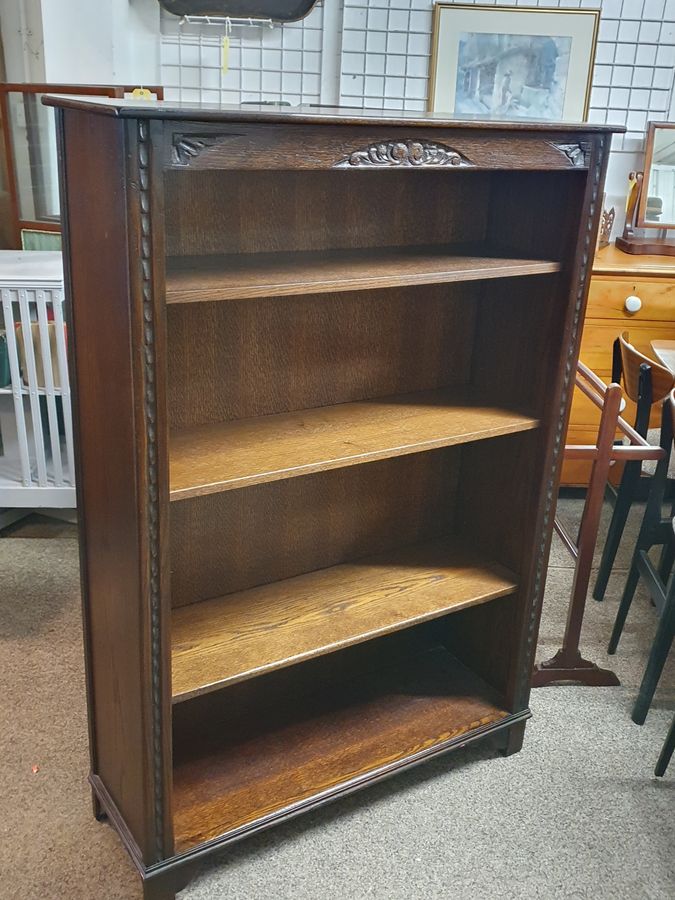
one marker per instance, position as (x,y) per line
(497,504)
(258,357)
(536,213)
(518,336)
(484,638)
(496,507)
(497,494)
(256,212)
(232,541)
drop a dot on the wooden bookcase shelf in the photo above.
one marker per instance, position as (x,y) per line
(243,276)
(315,518)
(212,458)
(232,638)
(350,733)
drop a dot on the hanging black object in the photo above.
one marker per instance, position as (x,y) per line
(279,10)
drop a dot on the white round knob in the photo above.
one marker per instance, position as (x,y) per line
(633,304)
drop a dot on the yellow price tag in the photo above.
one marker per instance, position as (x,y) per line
(226,54)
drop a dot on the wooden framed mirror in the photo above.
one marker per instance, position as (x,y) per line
(651,198)
(657,198)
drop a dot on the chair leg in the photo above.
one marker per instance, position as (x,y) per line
(624,606)
(657,659)
(624,501)
(666,751)
(666,561)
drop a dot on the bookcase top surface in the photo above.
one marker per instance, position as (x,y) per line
(306,115)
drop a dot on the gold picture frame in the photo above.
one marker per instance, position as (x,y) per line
(574,32)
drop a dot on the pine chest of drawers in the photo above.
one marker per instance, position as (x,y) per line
(628,293)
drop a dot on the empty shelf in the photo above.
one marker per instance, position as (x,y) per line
(244,634)
(242,276)
(212,458)
(287,755)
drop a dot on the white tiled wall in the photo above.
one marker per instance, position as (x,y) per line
(385,54)
(280,63)
(634,66)
(375,53)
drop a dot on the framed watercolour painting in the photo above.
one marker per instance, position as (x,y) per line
(513,62)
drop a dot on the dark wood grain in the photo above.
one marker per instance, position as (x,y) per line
(231,541)
(214,212)
(256,358)
(530,210)
(351,149)
(349,706)
(342,735)
(325,115)
(111,466)
(222,641)
(236,454)
(238,276)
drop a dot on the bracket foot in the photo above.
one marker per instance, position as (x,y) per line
(572,668)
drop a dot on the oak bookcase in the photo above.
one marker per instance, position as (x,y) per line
(323,367)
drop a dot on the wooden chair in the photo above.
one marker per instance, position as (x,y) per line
(655,531)
(646,382)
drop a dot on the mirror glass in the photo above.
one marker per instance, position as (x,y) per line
(659,187)
(33,135)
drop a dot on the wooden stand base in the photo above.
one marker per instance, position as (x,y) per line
(646,246)
(568,666)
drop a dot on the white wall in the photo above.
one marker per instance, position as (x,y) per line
(21,26)
(81,41)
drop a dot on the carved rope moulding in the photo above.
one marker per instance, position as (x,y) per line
(403,154)
(152,479)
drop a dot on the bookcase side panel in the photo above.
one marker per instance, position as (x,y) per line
(527,343)
(119,500)
(579,219)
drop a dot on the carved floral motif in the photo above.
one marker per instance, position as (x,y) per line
(185,149)
(403,153)
(578,154)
